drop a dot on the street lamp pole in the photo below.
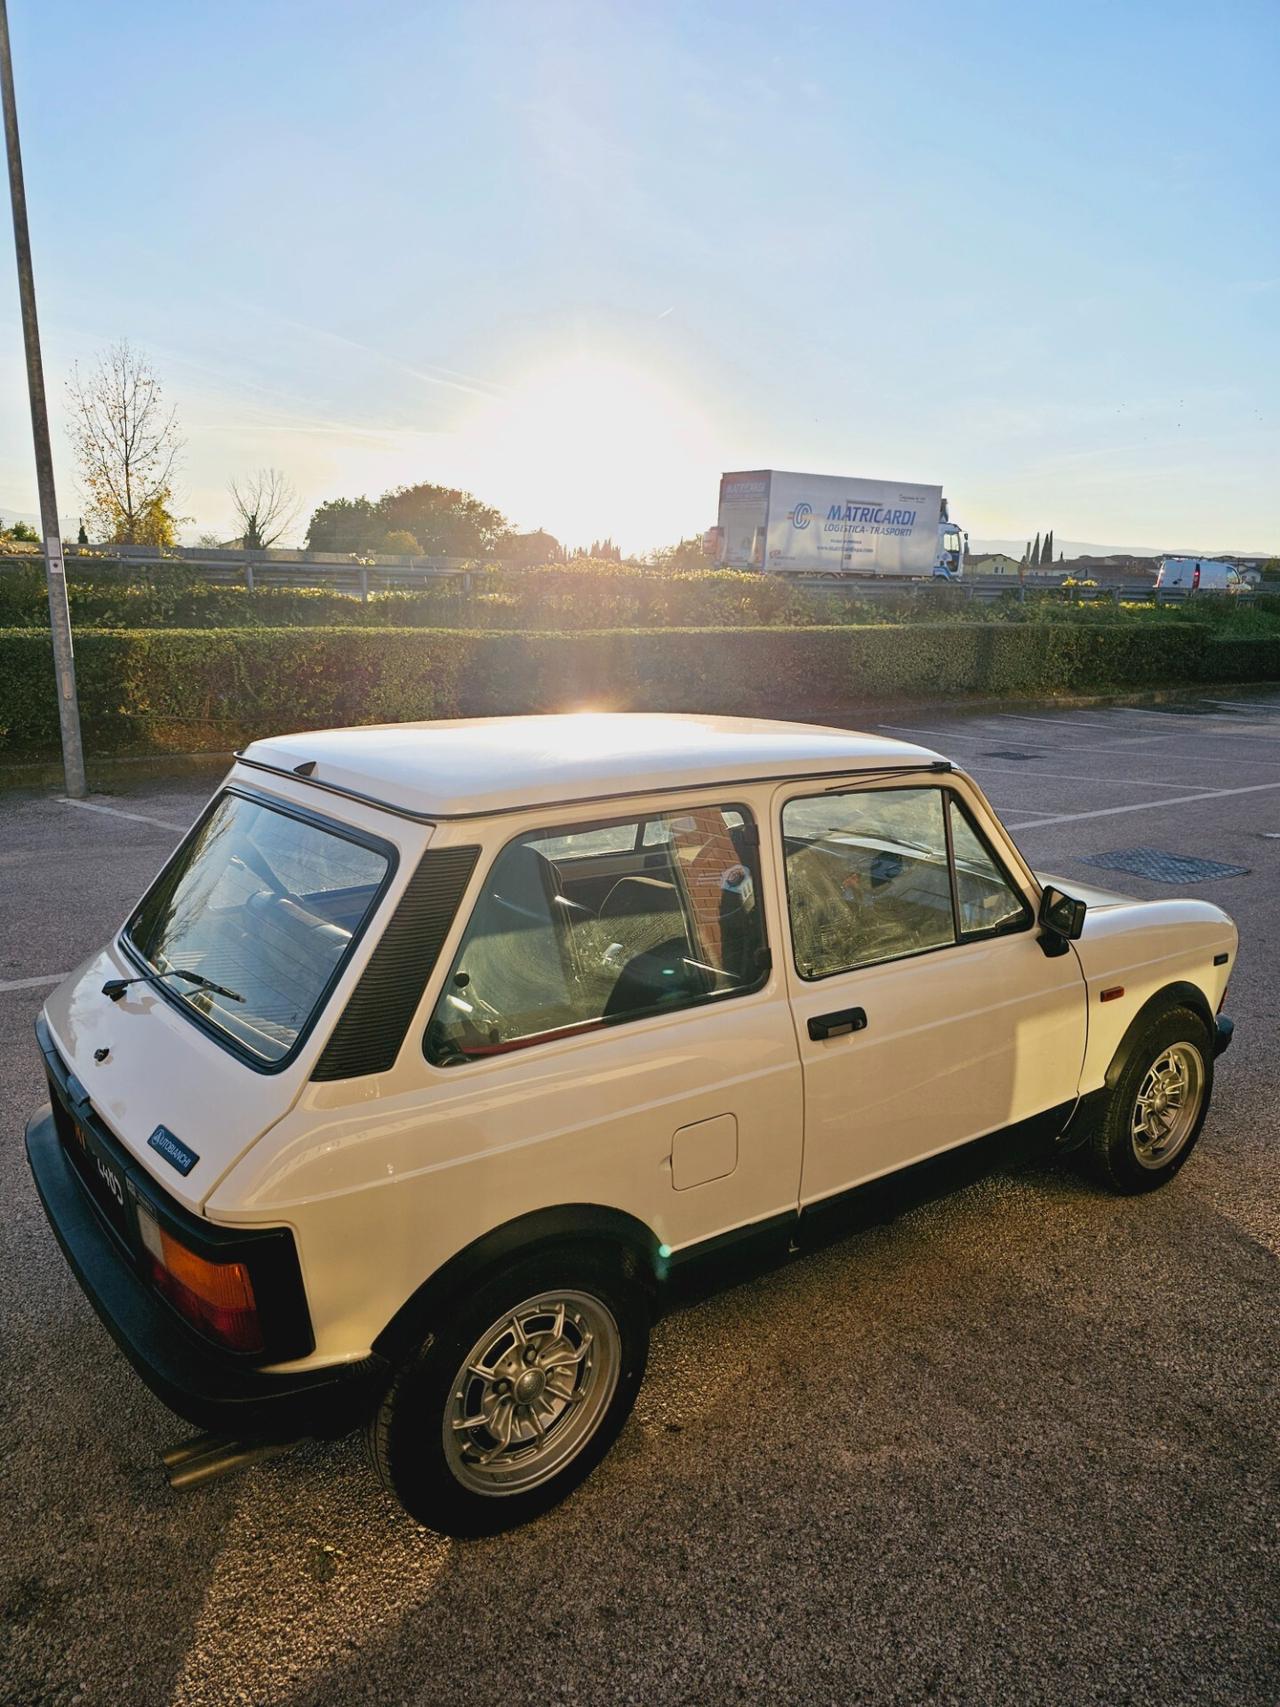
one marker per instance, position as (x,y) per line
(55,569)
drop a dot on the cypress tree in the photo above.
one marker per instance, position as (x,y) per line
(1047,554)
(1035,553)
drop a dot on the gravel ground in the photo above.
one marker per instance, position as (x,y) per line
(1019,1446)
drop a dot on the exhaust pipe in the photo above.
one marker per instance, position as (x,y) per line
(205,1456)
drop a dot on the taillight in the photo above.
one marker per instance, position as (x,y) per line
(1195,579)
(216,1297)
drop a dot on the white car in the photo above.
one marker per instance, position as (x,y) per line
(438,1055)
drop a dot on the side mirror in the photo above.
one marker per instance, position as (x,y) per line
(1062,914)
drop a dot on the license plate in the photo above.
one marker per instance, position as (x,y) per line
(104,1179)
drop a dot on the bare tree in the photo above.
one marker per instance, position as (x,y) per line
(127,446)
(266,506)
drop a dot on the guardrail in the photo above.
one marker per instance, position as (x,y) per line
(988,588)
(358,576)
(339,572)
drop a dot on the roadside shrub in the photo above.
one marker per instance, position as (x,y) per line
(188,689)
(581,595)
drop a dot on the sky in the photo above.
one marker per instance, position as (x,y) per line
(581,258)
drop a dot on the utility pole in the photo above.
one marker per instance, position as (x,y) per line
(54,567)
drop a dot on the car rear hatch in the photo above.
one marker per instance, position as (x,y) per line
(268,910)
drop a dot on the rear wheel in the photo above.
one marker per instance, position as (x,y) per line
(1157,1107)
(510,1406)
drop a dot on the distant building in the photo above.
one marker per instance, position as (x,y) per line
(991,563)
(534,548)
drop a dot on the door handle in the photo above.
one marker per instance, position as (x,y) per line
(823,1026)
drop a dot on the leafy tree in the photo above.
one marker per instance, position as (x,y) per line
(1271,569)
(684,554)
(445,522)
(126,444)
(344,524)
(533,548)
(266,507)
(399,543)
(23,533)
(599,551)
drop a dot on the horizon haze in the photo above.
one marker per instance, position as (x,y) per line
(579,262)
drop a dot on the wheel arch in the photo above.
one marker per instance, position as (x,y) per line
(582,1224)
(1179,995)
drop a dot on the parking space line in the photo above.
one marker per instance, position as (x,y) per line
(1003,734)
(1072,776)
(1067,722)
(7,984)
(115,812)
(1141,806)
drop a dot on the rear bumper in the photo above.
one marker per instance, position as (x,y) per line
(214,1391)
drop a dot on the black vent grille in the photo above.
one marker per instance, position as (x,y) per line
(367,1038)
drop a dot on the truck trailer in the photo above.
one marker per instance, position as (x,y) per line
(827,525)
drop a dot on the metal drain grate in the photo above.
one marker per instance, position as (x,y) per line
(1163,867)
(1008,753)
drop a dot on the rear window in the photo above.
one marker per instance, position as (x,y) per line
(268,905)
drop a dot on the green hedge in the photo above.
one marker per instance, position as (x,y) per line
(184,689)
(559,598)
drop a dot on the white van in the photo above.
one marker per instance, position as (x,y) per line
(1199,575)
(440,1055)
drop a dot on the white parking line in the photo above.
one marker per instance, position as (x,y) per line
(1141,806)
(1067,722)
(115,812)
(7,984)
(1003,735)
(1070,776)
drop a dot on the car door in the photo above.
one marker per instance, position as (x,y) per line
(927,1011)
(615,1028)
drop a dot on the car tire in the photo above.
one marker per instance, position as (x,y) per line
(1150,1122)
(547,1354)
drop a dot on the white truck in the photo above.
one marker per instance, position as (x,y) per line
(1200,575)
(824,524)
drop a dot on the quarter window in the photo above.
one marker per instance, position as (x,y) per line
(585,927)
(880,874)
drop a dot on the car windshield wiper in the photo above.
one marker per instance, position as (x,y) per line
(116,987)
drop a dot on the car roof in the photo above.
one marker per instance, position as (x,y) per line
(477,767)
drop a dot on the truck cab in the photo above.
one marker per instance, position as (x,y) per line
(952,545)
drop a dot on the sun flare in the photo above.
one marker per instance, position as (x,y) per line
(592,446)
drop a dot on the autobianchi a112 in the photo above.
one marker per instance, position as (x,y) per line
(438,1056)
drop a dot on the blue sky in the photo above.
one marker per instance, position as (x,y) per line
(582,257)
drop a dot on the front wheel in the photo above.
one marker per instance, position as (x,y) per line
(1155,1111)
(508,1407)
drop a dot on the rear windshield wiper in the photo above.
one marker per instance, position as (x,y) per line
(116,987)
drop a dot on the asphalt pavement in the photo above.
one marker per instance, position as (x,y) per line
(1019,1446)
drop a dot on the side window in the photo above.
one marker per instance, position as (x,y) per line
(585,927)
(867,877)
(986,899)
